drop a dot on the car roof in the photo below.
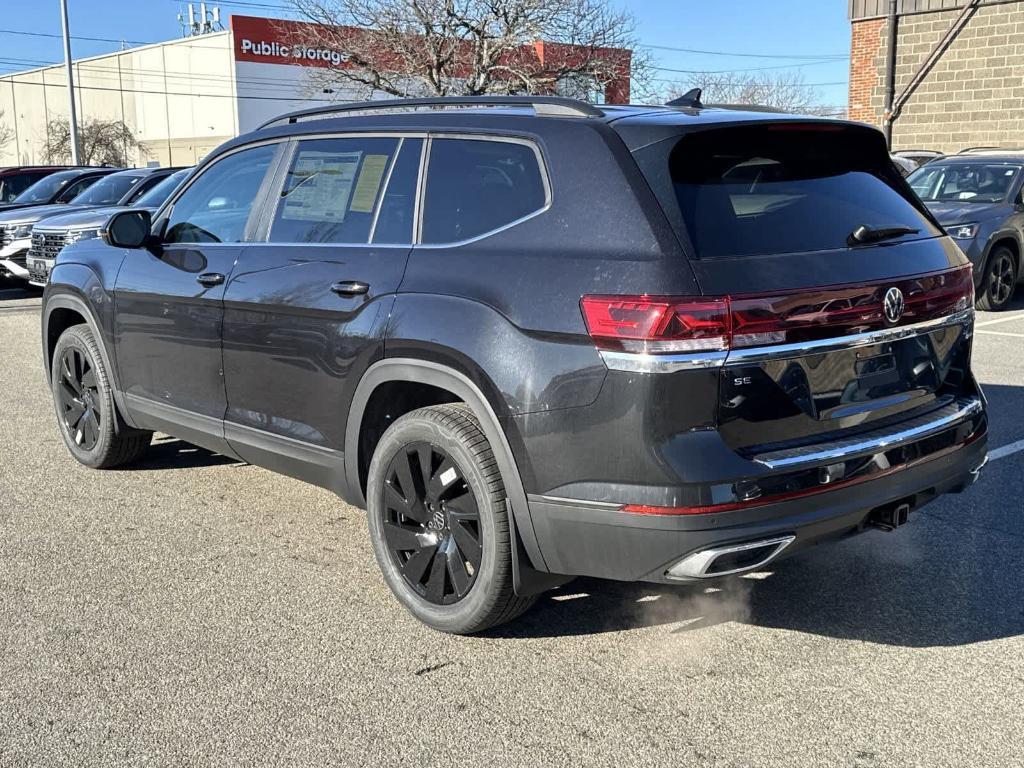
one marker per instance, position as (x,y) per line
(638,124)
(1008,158)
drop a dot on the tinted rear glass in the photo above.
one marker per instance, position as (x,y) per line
(787,189)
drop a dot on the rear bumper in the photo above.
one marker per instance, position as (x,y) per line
(583,538)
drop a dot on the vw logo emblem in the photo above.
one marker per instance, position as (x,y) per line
(894,305)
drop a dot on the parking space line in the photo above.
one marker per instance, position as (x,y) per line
(1002,333)
(1006,450)
(1007,319)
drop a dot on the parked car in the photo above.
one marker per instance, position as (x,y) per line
(919,156)
(904,165)
(52,235)
(537,338)
(115,188)
(16,179)
(57,187)
(977,198)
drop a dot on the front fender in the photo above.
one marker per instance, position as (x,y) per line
(79,288)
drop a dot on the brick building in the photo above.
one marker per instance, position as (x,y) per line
(972,94)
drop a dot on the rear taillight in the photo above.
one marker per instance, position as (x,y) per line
(657,325)
(660,324)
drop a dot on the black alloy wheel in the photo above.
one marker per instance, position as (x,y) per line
(431,523)
(1001,277)
(999,281)
(79,399)
(88,419)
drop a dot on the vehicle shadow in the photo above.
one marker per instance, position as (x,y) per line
(954,576)
(171,453)
(12,290)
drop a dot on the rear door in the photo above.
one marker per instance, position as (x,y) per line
(849,305)
(306,309)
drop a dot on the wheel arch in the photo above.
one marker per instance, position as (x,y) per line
(529,569)
(60,312)
(1012,240)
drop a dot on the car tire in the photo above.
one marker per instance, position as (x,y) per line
(998,280)
(84,400)
(438,521)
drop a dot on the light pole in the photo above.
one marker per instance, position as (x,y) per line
(72,116)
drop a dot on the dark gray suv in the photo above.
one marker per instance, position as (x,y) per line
(977,198)
(537,339)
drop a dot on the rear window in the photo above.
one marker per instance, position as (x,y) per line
(788,189)
(477,186)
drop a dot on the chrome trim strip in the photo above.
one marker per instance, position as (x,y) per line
(586,503)
(875,441)
(638,362)
(695,566)
(821,346)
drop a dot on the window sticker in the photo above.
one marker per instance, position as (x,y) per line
(321,186)
(370,176)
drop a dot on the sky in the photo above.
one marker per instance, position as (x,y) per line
(781,35)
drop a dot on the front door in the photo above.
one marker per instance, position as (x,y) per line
(169,300)
(306,311)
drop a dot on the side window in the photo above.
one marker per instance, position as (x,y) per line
(333,189)
(475,186)
(14,185)
(216,207)
(398,207)
(75,188)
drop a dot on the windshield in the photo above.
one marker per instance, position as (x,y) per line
(964,182)
(108,191)
(44,190)
(158,194)
(782,189)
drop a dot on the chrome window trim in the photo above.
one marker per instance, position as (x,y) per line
(639,362)
(872,442)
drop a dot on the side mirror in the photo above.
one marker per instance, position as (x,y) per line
(127,229)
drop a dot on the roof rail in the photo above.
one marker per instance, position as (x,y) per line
(544,106)
(974,150)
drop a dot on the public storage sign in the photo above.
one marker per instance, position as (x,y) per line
(276,41)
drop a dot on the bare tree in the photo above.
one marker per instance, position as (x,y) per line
(100,142)
(787,91)
(451,47)
(7,133)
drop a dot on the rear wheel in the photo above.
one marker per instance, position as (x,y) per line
(86,414)
(999,280)
(439,523)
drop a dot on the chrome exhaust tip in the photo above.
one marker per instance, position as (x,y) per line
(729,560)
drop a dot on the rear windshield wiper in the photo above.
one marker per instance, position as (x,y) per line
(865,234)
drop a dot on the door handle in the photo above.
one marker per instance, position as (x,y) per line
(350,288)
(210,279)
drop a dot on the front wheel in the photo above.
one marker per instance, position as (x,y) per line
(86,414)
(998,282)
(439,523)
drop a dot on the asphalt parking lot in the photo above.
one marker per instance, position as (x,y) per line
(196,611)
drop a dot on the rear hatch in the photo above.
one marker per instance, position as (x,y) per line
(848,308)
